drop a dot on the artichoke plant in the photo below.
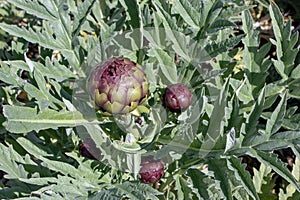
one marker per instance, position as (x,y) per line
(178,97)
(117,86)
(151,171)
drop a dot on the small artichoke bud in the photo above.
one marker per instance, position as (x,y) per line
(85,151)
(178,97)
(151,171)
(117,86)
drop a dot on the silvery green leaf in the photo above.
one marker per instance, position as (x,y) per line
(230,140)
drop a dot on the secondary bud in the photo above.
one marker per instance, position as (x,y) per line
(151,171)
(85,151)
(178,97)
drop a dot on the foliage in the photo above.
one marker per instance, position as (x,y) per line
(209,45)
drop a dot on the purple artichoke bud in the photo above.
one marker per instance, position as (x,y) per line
(85,152)
(178,97)
(118,86)
(151,171)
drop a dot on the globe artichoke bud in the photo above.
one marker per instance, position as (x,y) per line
(118,86)
(85,151)
(178,97)
(151,171)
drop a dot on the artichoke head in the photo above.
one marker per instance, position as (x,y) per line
(151,171)
(117,86)
(178,97)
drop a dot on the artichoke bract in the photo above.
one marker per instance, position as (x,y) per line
(118,86)
(151,171)
(178,97)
